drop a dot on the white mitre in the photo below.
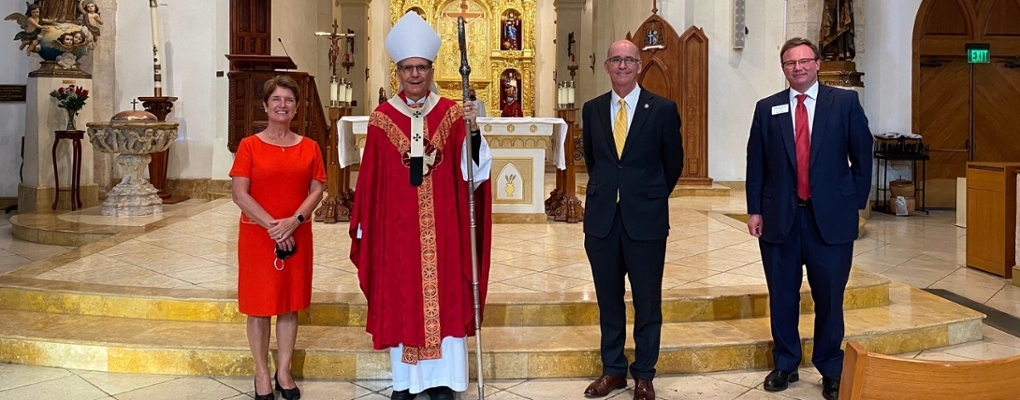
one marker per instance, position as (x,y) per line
(412,37)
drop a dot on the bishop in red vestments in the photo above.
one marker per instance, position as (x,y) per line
(411,222)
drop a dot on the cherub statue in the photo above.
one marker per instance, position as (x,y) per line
(90,17)
(31,28)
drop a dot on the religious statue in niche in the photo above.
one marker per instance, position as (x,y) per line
(510,31)
(59,31)
(836,40)
(510,102)
(419,11)
(653,39)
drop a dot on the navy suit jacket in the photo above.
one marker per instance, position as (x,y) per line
(838,189)
(644,176)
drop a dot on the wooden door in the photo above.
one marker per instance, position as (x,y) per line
(250,27)
(996,112)
(944,123)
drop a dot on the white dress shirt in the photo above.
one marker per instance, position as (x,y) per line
(614,105)
(809,103)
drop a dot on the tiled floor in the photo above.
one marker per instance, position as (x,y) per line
(706,248)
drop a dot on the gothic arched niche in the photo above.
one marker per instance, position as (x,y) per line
(484,30)
(510,100)
(510,30)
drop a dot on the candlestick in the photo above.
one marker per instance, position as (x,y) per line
(559,94)
(570,94)
(157,73)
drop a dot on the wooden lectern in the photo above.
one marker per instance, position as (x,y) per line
(991,216)
(247,115)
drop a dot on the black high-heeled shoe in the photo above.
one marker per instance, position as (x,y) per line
(288,394)
(258,396)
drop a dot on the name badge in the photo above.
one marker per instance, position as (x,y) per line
(783,109)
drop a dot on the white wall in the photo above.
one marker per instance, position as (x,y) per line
(545,59)
(14,69)
(888,68)
(191,58)
(737,79)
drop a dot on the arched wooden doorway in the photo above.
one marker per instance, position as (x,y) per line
(965,112)
(676,67)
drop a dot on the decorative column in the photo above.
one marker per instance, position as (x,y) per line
(42,119)
(354,17)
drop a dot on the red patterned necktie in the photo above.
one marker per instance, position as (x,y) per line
(803,140)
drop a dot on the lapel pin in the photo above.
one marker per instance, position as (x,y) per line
(646,105)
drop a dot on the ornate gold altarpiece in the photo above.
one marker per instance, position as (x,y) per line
(501,47)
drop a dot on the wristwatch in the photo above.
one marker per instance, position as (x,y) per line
(300,218)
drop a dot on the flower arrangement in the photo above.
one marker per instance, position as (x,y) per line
(72,99)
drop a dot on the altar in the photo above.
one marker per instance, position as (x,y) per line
(520,149)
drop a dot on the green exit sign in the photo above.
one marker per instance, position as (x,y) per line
(977,53)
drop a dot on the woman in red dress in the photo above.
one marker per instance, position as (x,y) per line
(278,179)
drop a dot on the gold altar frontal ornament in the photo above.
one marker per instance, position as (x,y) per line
(502,65)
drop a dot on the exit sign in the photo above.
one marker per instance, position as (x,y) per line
(977,53)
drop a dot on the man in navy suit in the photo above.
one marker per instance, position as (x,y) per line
(803,198)
(634,157)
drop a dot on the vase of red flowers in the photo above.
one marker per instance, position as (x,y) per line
(71,99)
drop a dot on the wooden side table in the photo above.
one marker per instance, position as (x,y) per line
(75,189)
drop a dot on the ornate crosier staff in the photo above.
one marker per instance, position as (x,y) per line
(465,70)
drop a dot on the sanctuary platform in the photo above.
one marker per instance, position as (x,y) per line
(157,295)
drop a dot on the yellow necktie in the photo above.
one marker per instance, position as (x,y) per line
(620,127)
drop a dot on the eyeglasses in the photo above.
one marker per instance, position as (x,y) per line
(788,65)
(407,69)
(615,61)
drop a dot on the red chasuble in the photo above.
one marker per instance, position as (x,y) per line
(414,256)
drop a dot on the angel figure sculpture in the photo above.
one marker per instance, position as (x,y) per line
(31,28)
(91,17)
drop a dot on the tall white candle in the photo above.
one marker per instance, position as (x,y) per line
(570,94)
(157,73)
(559,94)
(350,93)
(333,92)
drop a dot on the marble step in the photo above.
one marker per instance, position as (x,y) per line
(864,290)
(914,320)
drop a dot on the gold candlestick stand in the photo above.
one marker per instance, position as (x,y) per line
(563,204)
(339,200)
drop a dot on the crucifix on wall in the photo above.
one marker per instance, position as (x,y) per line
(334,47)
(468,16)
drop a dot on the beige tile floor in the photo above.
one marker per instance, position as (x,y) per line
(706,248)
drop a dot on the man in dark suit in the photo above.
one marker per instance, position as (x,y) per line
(634,157)
(803,198)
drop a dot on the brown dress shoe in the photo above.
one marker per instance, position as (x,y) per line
(643,390)
(605,384)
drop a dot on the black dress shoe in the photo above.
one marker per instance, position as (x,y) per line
(270,396)
(779,380)
(830,388)
(288,394)
(402,395)
(440,393)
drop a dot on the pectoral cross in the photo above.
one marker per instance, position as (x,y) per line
(464,13)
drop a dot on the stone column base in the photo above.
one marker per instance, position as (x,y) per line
(31,198)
